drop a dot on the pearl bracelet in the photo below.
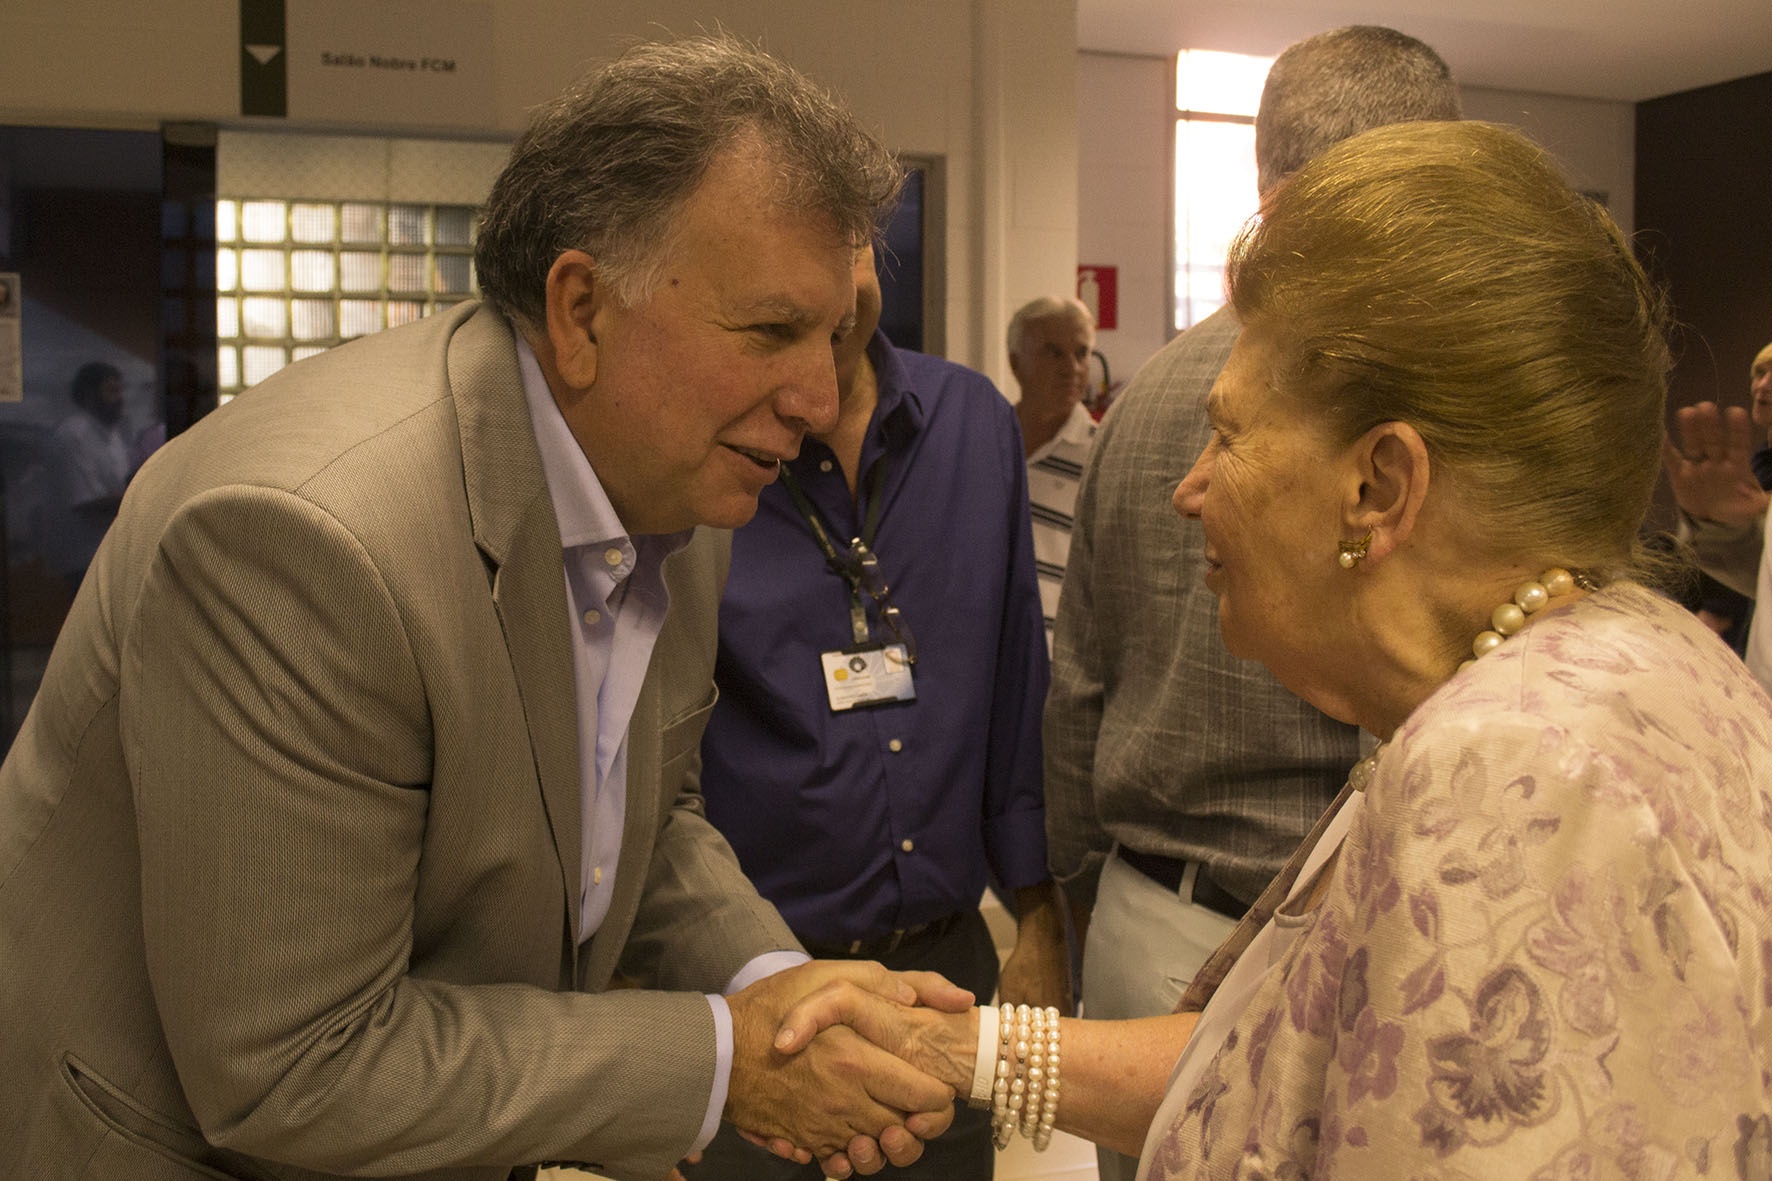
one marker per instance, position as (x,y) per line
(1024,1095)
(1032,1054)
(1047,1116)
(1002,1126)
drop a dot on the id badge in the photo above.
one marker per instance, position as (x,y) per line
(873,674)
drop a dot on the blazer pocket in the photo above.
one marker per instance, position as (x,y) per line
(682,734)
(150,1145)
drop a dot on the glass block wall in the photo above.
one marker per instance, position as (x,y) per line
(321,239)
(296,277)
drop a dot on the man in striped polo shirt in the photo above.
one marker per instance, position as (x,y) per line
(1050,340)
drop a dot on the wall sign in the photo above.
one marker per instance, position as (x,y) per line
(1098,288)
(264,86)
(393,62)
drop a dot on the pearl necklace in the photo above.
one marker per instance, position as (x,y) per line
(1530,597)
(1361,772)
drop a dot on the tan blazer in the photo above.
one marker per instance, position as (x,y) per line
(289,844)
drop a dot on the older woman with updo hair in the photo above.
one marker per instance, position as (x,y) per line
(1533,938)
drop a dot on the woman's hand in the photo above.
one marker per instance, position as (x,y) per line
(941,1044)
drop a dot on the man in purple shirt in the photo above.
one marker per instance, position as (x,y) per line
(875,753)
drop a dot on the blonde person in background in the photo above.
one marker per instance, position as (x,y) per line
(1719,479)
(1533,935)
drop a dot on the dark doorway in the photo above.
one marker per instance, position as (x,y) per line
(82,235)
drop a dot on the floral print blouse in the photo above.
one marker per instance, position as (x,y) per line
(1547,948)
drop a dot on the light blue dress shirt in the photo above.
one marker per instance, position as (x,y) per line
(616,591)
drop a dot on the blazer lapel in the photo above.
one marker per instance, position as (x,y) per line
(519,538)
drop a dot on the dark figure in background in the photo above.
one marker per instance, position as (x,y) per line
(1723,609)
(91,461)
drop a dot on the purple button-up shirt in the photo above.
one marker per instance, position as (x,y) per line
(862,822)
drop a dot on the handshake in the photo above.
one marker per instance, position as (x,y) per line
(849,1063)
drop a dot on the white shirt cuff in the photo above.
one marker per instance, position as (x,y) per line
(765,965)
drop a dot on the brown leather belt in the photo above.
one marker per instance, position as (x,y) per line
(1169,872)
(881,945)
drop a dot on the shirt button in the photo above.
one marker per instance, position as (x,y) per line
(895,746)
(612,555)
(824,465)
(592,618)
(597,876)
(907,844)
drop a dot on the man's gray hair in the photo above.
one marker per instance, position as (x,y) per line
(1044,308)
(605,167)
(1332,86)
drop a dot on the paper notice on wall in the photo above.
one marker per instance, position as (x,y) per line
(12,365)
(394,62)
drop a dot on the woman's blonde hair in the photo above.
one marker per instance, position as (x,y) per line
(1445,275)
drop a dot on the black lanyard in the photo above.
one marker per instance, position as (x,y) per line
(845,565)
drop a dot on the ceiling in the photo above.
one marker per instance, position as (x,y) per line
(1625,50)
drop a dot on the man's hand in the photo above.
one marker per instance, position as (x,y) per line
(838,1095)
(1038,971)
(943,1042)
(1708,466)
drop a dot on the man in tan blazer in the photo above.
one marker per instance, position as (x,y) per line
(303,861)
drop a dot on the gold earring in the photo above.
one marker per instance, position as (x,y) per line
(1353,551)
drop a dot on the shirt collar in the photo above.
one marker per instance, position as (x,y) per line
(581,506)
(897,418)
(899,409)
(1077,430)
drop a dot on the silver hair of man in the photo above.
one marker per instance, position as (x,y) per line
(605,167)
(1045,307)
(1332,86)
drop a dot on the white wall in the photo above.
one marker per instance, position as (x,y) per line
(988,85)
(1594,140)
(1125,135)
(356,168)
(1027,141)
(1125,160)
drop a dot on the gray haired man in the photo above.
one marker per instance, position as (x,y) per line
(362,767)
(1050,341)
